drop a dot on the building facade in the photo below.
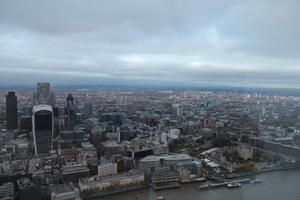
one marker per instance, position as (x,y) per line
(70,113)
(43,128)
(43,95)
(11,111)
(105,169)
(96,183)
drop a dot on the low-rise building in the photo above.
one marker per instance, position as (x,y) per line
(106,183)
(7,191)
(72,172)
(64,192)
(153,161)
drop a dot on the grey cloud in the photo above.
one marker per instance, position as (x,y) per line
(252,43)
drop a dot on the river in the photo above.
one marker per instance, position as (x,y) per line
(278,185)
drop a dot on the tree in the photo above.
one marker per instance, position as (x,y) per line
(245,138)
(221,141)
(200,141)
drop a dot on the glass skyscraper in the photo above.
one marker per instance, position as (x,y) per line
(43,127)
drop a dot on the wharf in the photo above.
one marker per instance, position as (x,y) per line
(223,184)
(163,186)
(201,179)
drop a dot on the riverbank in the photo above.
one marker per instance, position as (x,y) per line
(264,171)
(277,185)
(112,194)
(95,195)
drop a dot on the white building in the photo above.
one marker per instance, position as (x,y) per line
(97,183)
(152,161)
(245,152)
(174,134)
(105,169)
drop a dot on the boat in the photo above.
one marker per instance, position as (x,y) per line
(255,181)
(161,198)
(233,185)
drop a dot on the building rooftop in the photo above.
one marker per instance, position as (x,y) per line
(74,168)
(174,157)
(62,189)
(42,107)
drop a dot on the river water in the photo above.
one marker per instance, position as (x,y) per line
(278,185)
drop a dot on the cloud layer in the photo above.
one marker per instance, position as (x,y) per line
(230,43)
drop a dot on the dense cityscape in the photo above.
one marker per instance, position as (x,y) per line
(78,143)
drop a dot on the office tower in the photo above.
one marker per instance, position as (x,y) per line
(88,109)
(26,123)
(43,95)
(56,112)
(43,128)
(70,113)
(114,118)
(179,110)
(11,111)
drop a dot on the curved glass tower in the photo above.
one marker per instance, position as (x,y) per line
(43,127)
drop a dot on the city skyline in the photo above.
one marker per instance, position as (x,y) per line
(195,43)
(149,100)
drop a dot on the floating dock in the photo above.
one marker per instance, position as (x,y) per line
(223,184)
(164,186)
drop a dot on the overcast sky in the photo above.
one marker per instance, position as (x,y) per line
(149,42)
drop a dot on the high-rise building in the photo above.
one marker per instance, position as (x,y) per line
(179,110)
(88,109)
(11,111)
(26,123)
(43,128)
(70,113)
(43,95)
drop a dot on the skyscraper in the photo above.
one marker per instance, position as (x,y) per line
(179,110)
(11,111)
(43,128)
(88,109)
(70,113)
(43,95)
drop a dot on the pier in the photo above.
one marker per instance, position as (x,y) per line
(223,184)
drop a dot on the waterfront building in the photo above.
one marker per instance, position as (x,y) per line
(11,111)
(153,161)
(165,174)
(107,183)
(73,172)
(43,128)
(194,167)
(65,191)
